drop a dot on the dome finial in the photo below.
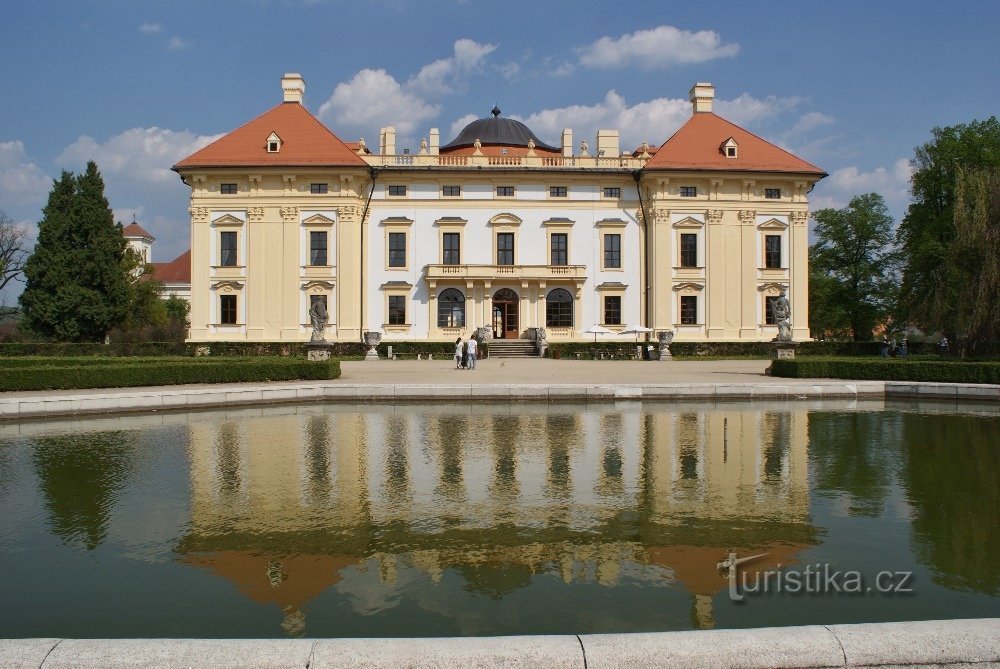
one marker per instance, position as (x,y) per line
(495,111)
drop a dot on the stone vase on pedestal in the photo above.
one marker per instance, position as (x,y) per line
(372,339)
(665,337)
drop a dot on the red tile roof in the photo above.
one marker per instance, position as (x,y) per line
(177,270)
(133,229)
(697,146)
(304,142)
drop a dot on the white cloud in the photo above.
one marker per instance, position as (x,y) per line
(652,121)
(746,109)
(659,47)
(138,154)
(177,44)
(810,121)
(21,180)
(136,165)
(509,71)
(892,183)
(458,125)
(374,98)
(148,28)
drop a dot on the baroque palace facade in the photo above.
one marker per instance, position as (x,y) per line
(494,229)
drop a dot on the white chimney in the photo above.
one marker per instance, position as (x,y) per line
(567,143)
(701,97)
(293,86)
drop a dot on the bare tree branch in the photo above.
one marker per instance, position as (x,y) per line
(13,250)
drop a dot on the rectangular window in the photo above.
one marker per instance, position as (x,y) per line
(317,248)
(451,191)
(227,248)
(772,251)
(452,243)
(319,189)
(769,301)
(397,249)
(397,310)
(612,251)
(689,191)
(560,248)
(228,189)
(612,192)
(227,309)
(689,249)
(689,309)
(612,309)
(772,193)
(505,248)
(558,191)
(505,191)
(397,191)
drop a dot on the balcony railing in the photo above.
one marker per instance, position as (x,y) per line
(568,272)
(555,162)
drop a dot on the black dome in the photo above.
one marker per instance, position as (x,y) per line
(497,131)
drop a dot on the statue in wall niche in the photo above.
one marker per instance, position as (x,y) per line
(318,317)
(782,316)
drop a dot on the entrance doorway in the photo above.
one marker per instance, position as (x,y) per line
(505,312)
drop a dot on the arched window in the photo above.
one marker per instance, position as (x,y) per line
(559,309)
(451,309)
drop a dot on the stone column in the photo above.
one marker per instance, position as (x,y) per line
(432,306)
(798,241)
(470,307)
(524,316)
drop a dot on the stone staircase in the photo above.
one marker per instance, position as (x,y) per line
(512,348)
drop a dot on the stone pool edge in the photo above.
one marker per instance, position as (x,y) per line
(973,642)
(172,398)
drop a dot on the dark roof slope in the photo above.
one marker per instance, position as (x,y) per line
(498,132)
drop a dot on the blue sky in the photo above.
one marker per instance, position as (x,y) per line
(850,86)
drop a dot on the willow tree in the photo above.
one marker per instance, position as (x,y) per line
(972,278)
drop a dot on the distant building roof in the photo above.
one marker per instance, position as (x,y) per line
(136,231)
(496,131)
(698,145)
(177,270)
(304,141)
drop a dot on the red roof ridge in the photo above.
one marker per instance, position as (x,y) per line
(177,270)
(307,155)
(704,156)
(133,229)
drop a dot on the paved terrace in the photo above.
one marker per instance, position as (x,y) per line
(495,380)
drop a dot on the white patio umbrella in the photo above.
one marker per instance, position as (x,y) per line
(636,330)
(596,330)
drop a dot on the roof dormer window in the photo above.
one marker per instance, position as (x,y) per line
(730,149)
(273,143)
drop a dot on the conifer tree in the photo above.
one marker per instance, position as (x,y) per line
(76,283)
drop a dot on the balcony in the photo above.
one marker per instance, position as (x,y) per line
(506,162)
(575,273)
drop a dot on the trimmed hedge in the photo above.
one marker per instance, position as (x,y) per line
(883,369)
(412,348)
(343,349)
(19,349)
(731,349)
(162,372)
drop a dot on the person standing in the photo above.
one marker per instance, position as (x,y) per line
(904,348)
(944,346)
(472,346)
(458,353)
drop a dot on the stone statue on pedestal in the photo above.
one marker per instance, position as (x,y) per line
(318,317)
(782,316)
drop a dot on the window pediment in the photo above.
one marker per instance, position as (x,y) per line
(505,219)
(316,286)
(688,285)
(773,224)
(227,286)
(772,287)
(396,221)
(689,222)
(318,219)
(558,223)
(450,222)
(611,223)
(228,219)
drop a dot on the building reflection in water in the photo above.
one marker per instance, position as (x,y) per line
(283,505)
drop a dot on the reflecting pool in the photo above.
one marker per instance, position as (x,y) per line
(413,520)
